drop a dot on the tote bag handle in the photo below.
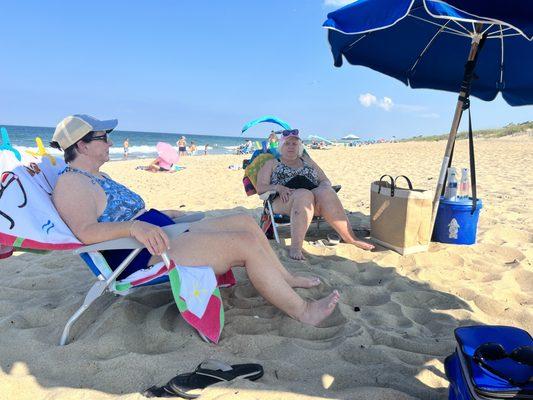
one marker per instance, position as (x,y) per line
(391,184)
(409,184)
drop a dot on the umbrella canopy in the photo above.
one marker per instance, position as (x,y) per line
(167,153)
(266,118)
(425,43)
(350,137)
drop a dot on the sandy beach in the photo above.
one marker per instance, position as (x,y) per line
(387,339)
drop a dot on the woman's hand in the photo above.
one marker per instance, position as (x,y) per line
(284,193)
(152,236)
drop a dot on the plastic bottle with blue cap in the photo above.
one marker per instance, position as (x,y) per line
(451,188)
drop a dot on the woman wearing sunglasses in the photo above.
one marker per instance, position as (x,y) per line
(302,191)
(96,208)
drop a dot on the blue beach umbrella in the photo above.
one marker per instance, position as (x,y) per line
(266,118)
(478,47)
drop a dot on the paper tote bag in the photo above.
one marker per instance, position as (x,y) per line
(400,218)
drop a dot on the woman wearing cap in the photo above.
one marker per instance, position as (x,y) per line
(96,209)
(302,191)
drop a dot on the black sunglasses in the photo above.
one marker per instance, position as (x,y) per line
(495,351)
(523,355)
(104,137)
(290,132)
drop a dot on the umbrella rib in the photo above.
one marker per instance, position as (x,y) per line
(461,26)
(354,43)
(501,62)
(496,35)
(486,30)
(426,48)
(448,29)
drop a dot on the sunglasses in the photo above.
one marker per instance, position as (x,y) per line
(488,354)
(290,132)
(104,138)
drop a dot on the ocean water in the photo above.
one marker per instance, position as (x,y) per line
(142,144)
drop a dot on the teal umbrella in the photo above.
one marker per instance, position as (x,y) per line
(266,118)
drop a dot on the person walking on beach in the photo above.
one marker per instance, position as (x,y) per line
(205,149)
(126,145)
(182,146)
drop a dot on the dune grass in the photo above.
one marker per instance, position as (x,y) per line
(507,130)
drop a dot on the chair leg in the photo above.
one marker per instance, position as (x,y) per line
(274,226)
(94,292)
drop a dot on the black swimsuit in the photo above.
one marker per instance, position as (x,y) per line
(305,177)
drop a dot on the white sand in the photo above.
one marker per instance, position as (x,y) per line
(393,348)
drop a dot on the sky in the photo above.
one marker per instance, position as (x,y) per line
(202,67)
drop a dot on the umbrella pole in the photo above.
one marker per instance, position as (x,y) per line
(453,131)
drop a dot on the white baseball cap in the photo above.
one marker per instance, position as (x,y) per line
(74,127)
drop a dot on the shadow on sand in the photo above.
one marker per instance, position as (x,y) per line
(388,336)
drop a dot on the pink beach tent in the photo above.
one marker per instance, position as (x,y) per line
(167,155)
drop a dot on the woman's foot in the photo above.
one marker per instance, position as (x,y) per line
(304,282)
(317,311)
(363,245)
(296,254)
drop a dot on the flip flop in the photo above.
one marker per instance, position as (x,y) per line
(321,244)
(333,239)
(207,373)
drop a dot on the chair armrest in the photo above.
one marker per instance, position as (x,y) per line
(129,243)
(266,195)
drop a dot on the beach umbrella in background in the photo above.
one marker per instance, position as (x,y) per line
(350,137)
(167,153)
(266,118)
(478,47)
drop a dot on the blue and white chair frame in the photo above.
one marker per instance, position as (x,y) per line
(107,278)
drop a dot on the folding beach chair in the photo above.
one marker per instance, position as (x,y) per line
(270,221)
(29,221)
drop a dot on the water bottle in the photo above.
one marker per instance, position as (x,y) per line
(464,185)
(451,188)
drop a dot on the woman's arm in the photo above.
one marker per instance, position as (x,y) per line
(79,204)
(322,178)
(263,178)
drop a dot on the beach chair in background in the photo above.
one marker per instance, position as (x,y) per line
(29,222)
(270,221)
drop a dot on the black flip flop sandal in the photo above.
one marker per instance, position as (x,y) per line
(209,372)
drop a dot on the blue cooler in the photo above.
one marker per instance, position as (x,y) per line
(455,222)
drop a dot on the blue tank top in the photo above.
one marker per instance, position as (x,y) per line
(122,203)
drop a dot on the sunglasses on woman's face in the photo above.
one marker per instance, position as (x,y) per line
(104,138)
(290,132)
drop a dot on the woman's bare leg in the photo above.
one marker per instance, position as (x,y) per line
(329,206)
(244,222)
(239,248)
(301,208)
